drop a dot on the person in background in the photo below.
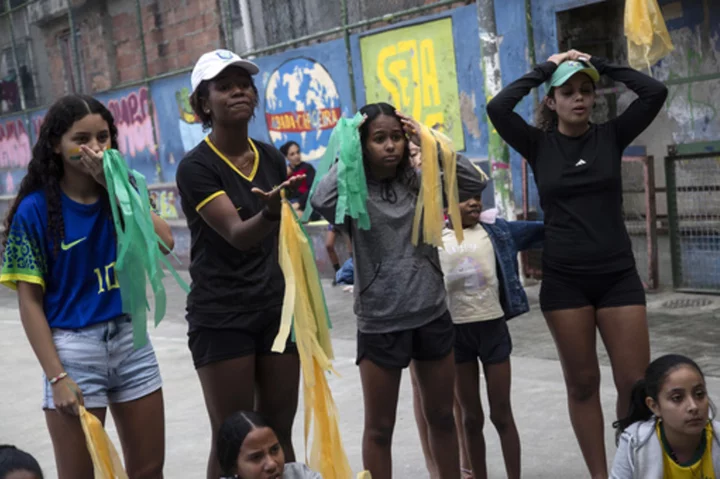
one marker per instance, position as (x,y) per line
(230,190)
(297,167)
(330,239)
(248,448)
(17,464)
(484,292)
(668,432)
(590,280)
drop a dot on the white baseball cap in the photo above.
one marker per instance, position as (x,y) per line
(211,64)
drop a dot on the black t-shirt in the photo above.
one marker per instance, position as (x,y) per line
(579,179)
(227,282)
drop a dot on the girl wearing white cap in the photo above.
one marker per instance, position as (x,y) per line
(590,281)
(230,191)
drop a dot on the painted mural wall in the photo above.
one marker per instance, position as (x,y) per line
(303,94)
(429,68)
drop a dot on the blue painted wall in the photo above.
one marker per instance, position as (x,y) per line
(302,94)
(132,113)
(469,79)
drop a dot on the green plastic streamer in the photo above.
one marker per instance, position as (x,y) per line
(345,146)
(139,258)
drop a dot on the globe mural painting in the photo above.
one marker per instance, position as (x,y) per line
(302,104)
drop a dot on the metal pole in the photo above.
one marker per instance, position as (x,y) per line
(531,47)
(75,50)
(226,12)
(16,61)
(141,34)
(247,25)
(348,51)
(151,106)
(498,154)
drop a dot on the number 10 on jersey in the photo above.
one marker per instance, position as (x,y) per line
(108,280)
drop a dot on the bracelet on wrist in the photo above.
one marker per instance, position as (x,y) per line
(269,215)
(58,378)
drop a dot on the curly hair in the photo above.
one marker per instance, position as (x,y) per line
(202,94)
(46,167)
(405,172)
(545,118)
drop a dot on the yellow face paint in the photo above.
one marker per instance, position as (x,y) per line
(75,154)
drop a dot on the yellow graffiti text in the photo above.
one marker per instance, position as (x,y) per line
(407,70)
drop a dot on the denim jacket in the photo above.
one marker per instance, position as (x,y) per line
(508,238)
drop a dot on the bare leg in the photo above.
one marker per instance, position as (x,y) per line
(465,466)
(71,454)
(624,331)
(381,387)
(436,380)
(574,333)
(278,377)
(228,386)
(422,425)
(498,387)
(467,391)
(141,427)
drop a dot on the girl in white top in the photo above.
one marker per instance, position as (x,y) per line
(668,432)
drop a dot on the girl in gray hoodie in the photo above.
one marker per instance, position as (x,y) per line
(668,433)
(399,292)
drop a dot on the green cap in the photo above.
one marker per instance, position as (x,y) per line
(569,68)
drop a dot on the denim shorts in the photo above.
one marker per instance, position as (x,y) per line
(102,361)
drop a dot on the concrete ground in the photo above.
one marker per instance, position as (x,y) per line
(549,447)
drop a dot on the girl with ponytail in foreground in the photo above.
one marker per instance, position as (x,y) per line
(668,432)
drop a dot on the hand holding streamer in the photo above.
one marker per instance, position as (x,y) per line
(344,146)
(305,312)
(436,148)
(138,257)
(105,459)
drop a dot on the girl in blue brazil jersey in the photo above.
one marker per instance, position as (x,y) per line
(60,252)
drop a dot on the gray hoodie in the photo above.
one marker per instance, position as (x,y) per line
(640,454)
(398,287)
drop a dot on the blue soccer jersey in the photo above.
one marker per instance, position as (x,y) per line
(79,282)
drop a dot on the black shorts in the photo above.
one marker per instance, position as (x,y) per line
(209,345)
(395,350)
(561,290)
(487,340)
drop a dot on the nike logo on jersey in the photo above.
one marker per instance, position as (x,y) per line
(581,162)
(66,247)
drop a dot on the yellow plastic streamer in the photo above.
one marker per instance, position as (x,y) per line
(647,35)
(429,209)
(105,459)
(305,312)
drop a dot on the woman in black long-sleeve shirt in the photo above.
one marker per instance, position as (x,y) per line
(590,281)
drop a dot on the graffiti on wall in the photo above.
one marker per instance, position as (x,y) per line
(693,106)
(132,113)
(302,104)
(179,130)
(167,202)
(15,153)
(414,69)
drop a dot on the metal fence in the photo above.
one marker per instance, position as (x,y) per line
(639,212)
(693,185)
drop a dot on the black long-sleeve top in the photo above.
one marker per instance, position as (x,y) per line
(579,179)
